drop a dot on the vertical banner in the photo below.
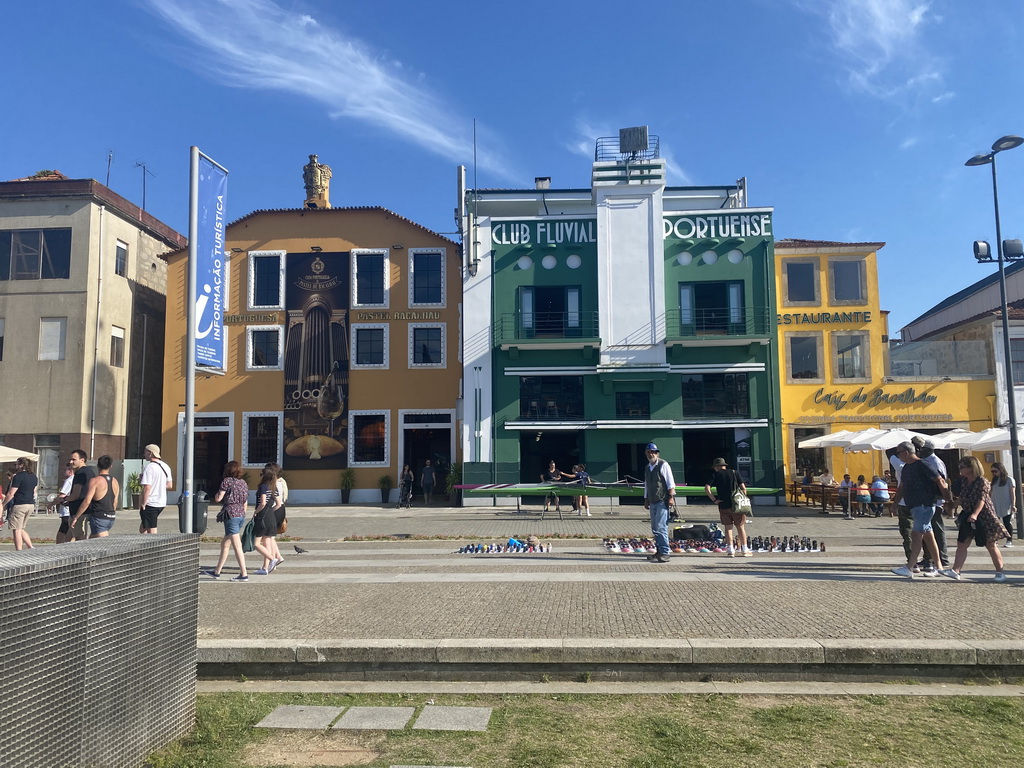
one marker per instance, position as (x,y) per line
(208,294)
(316,363)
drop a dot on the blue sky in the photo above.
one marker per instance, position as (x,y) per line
(853,118)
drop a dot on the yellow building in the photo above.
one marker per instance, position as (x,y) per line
(839,373)
(342,352)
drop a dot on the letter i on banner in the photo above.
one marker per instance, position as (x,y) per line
(209,287)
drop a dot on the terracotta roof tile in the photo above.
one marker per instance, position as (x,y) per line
(800,243)
(324,211)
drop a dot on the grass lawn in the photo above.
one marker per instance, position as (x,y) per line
(624,731)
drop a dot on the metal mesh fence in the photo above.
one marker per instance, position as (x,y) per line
(97,650)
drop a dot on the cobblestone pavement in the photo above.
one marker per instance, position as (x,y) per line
(420,589)
(416,587)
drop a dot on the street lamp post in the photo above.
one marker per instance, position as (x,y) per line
(1001,145)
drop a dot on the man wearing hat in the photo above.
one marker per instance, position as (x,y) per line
(726,481)
(156,482)
(659,492)
(920,486)
(925,450)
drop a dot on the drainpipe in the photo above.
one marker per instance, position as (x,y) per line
(96,346)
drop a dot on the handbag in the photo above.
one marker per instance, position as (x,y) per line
(222,516)
(283,527)
(740,500)
(248,541)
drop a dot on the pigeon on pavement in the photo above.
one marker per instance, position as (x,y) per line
(300,551)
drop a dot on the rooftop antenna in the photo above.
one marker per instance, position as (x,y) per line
(110,159)
(145,171)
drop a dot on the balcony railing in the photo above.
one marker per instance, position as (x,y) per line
(564,407)
(545,326)
(716,322)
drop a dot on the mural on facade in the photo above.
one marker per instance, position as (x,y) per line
(316,361)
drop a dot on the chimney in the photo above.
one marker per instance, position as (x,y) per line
(542,182)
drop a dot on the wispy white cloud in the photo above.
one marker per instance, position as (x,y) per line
(260,45)
(882,43)
(943,97)
(908,142)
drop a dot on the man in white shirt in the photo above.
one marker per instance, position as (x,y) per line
(156,482)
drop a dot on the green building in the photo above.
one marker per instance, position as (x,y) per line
(598,320)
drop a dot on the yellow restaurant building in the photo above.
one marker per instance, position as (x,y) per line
(342,351)
(839,371)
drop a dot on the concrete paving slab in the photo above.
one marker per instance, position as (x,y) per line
(375,718)
(440,718)
(756,651)
(299,717)
(632,651)
(371,650)
(909,652)
(1007,653)
(500,651)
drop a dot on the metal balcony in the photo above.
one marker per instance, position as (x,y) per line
(540,329)
(723,325)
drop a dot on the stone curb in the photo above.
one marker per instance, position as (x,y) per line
(697,651)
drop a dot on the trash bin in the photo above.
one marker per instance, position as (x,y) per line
(200,510)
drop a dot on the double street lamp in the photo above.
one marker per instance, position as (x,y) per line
(982,253)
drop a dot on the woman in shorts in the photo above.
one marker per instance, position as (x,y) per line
(265,522)
(978,521)
(21,496)
(235,494)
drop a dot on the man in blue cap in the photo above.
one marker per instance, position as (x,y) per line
(659,493)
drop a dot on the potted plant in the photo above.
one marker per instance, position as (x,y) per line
(134,488)
(452,479)
(384,482)
(348,482)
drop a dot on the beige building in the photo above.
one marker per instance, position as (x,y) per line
(342,340)
(82,282)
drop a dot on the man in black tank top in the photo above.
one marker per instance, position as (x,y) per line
(100,500)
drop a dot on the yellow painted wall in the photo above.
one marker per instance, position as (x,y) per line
(397,387)
(829,404)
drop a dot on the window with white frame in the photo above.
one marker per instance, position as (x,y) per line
(53,333)
(369,278)
(116,347)
(850,352)
(266,279)
(368,438)
(426,345)
(426,283)
(369,345)
(262,438)
(121,258)
(263,347)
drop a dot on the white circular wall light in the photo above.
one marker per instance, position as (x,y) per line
(573,261)
(525,262)
(685,258)
(549,262)
(709,257)
(735,256)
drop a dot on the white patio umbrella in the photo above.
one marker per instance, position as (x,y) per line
(968,442)
(999,440)
(12,454)
(950,438)
(886,439)
(833,440)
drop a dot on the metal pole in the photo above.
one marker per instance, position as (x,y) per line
(1011,400)
(190,345)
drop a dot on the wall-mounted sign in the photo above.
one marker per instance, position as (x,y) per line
(823,318)
(544,232)
(250,318)
(881,418)
(726,225)
(872,399)
(378,316)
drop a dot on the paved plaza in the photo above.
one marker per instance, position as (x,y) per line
(416,588)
